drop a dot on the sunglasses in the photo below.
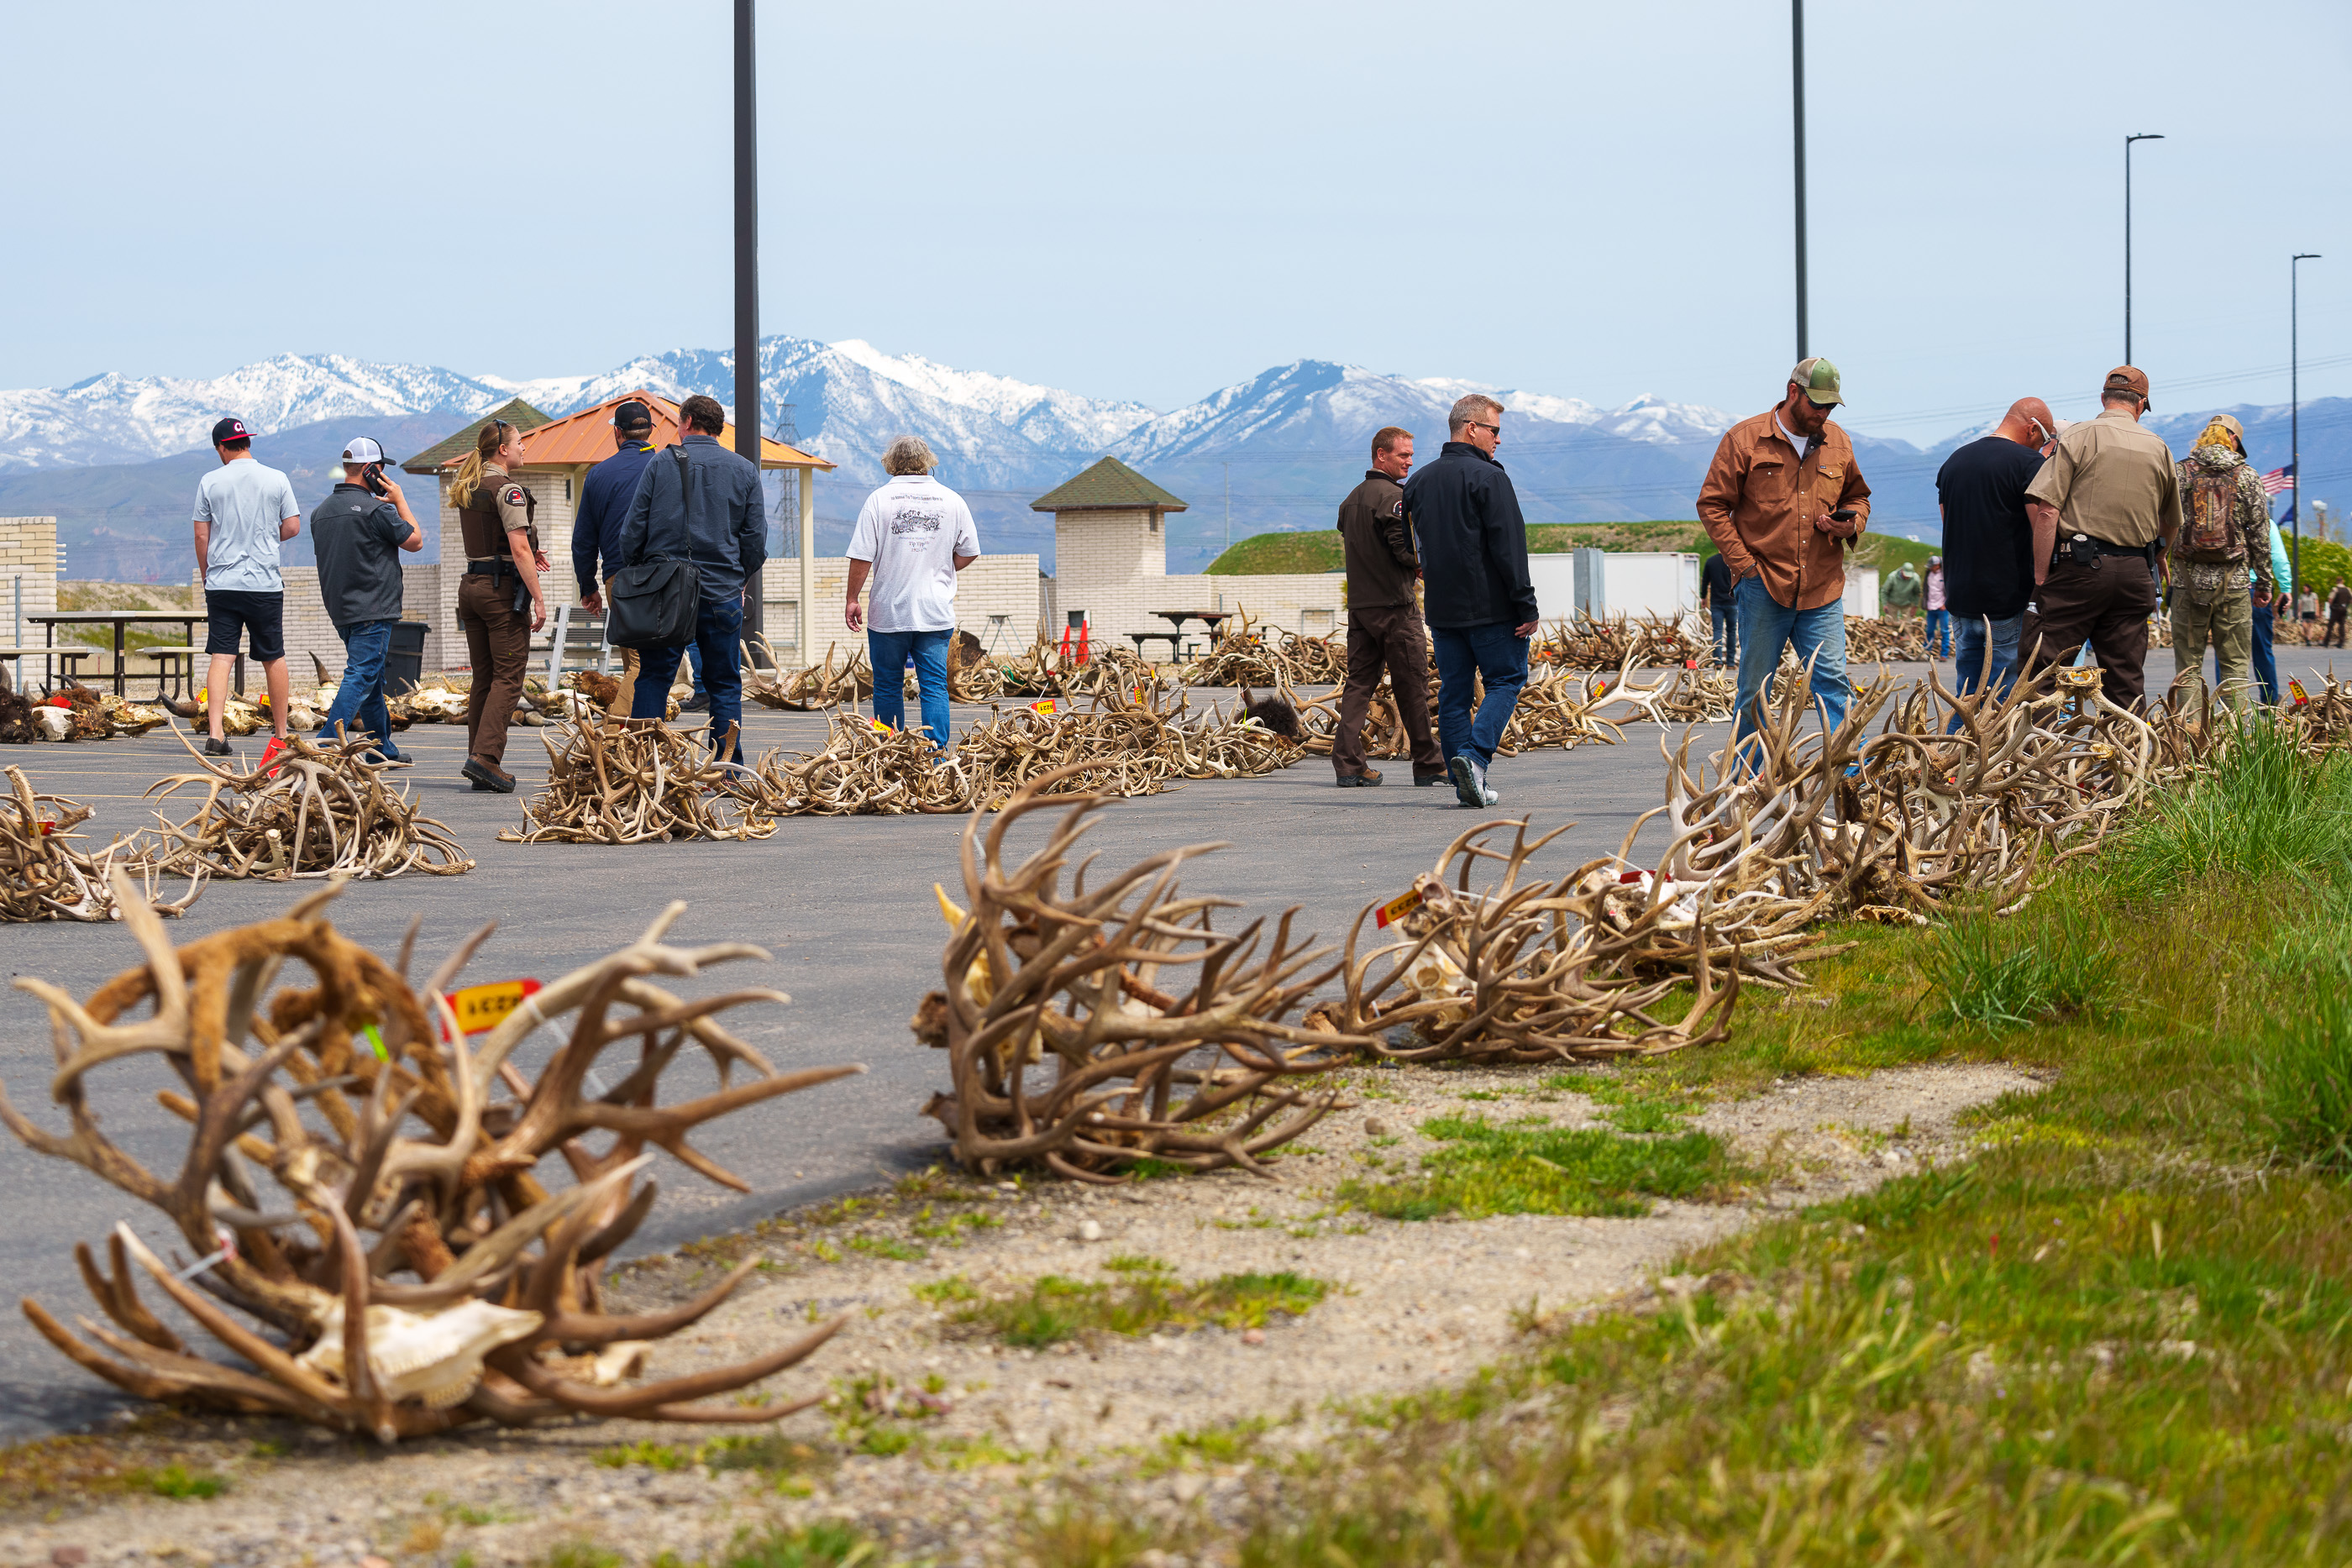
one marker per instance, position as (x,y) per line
(1820,407)
(1478,424)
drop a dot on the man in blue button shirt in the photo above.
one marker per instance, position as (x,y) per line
(604,507)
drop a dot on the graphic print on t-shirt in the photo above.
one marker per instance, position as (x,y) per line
(912,529)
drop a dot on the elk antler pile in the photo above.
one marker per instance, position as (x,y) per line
(44,875)
(1071,1037)
(1885,639)
(1526,970)
(1584,641)
(319,810)
(633,781)
(807,690)
(1247,657)
(389,1157)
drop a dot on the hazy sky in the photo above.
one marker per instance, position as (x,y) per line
(1154,201)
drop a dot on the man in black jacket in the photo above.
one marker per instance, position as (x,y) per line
(1479,599)
(719,522)
(1384,624)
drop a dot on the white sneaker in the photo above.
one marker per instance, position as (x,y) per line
(1470,782)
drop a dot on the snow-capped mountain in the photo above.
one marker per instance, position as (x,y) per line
(113,418)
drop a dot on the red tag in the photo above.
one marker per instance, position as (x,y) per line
(2301,697)
(1627,876)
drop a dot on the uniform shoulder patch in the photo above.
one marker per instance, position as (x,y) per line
(512,496)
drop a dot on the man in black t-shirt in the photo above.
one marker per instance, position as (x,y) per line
(358,531)
(1989,542)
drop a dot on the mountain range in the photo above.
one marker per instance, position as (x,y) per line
(115,458)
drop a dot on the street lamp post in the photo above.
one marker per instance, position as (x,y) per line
(2294,407)
(1796,60)
(2144,136)
(748,420)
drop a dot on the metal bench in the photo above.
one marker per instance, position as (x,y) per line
(68,657)
(1175,641)
(574,638)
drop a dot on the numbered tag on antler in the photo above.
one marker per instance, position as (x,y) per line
(2301,697)
(1397,908)
(485,1007)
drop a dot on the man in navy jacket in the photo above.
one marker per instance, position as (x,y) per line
(1477,597)
(597,531)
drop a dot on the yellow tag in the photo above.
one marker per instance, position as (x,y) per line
(485,1007)
(1045,707)
(879,728)
(1397,908)
(2301,697)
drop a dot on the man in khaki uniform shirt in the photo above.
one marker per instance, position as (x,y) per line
(2104,502)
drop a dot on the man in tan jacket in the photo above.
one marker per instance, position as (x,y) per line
(1783,501)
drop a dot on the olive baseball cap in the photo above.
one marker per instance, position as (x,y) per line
(1818,379)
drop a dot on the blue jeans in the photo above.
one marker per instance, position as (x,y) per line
(1969,661)
(2266,660)
(1726,633)
(718,636)
(1939,633)
(1765,625)
(359,696)
(1465,655)
(890,651)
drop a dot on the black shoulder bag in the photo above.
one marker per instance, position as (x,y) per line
(655,602)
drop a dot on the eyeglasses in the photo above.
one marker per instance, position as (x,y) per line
(1478,424)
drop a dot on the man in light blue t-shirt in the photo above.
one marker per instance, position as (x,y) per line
(244,511)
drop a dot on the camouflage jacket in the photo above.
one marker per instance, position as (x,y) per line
(2254,521)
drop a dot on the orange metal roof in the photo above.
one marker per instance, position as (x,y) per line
(587,437)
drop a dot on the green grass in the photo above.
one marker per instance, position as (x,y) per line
(2121,1332)
(1146,1296)
(175,1481)
(1318,550)
(1486,1169)
(830,1544)
(583,1554)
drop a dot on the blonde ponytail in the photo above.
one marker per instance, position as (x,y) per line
(486,442)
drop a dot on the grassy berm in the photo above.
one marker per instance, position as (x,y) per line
(2121,1332)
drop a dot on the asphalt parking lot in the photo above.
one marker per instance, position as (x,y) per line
(844,904)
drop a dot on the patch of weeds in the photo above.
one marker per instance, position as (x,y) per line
(767,1452)
(1484,1169)
(1480,1095)
(1137,1263)
(888,1246)
(174,1480)
(825,1251)
(952,1229)
(970,1453)
(583,1554)
(1229,1445)
(462,1513)
(652,1455)
(830,1544)
(2002,975)
(954,1288)
(2299,1087)
(1154,1170)
(1055,1309)
(1083,1535)
(268,1449)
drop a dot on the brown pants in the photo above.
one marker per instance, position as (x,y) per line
(2105,600)
(498,643)
(1385,635)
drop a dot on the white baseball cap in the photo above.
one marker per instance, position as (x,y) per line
(363,450)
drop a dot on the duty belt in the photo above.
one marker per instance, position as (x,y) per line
(492,566)
(2145,552)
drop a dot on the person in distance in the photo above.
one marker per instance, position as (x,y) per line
(1479,599)
(501,600)
(913,535)
(358,533)
(1980,494)
(245,510)
(1383,620)
(605,500)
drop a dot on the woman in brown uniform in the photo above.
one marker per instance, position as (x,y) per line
(502,568)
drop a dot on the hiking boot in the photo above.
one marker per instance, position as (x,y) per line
(485,777)
(1423,780)
(1364,780)
(216,747)
(694,705)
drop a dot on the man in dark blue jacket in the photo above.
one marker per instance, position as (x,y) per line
(597,531)
(1476,595)
(719,520)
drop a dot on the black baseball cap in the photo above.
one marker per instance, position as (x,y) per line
(632,414)
(230,429)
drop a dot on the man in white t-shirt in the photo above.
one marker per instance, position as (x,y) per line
(245,510)
(913,535)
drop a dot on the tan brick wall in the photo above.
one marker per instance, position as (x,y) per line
(28,555)
(1114,567)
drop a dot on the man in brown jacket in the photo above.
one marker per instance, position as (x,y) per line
(1383,621)
(1782,501)
(2105,500)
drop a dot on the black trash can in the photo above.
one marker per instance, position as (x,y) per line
(404,666)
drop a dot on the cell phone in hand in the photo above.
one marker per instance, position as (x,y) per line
(1843,514)
(373,478)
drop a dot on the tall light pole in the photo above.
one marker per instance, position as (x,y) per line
(748,420)
(1796,62)
(2295,408)
(2143,136)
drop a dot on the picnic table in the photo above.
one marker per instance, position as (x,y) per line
(1210,619)
(187,620)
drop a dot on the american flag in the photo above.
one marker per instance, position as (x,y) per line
(2278,479)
